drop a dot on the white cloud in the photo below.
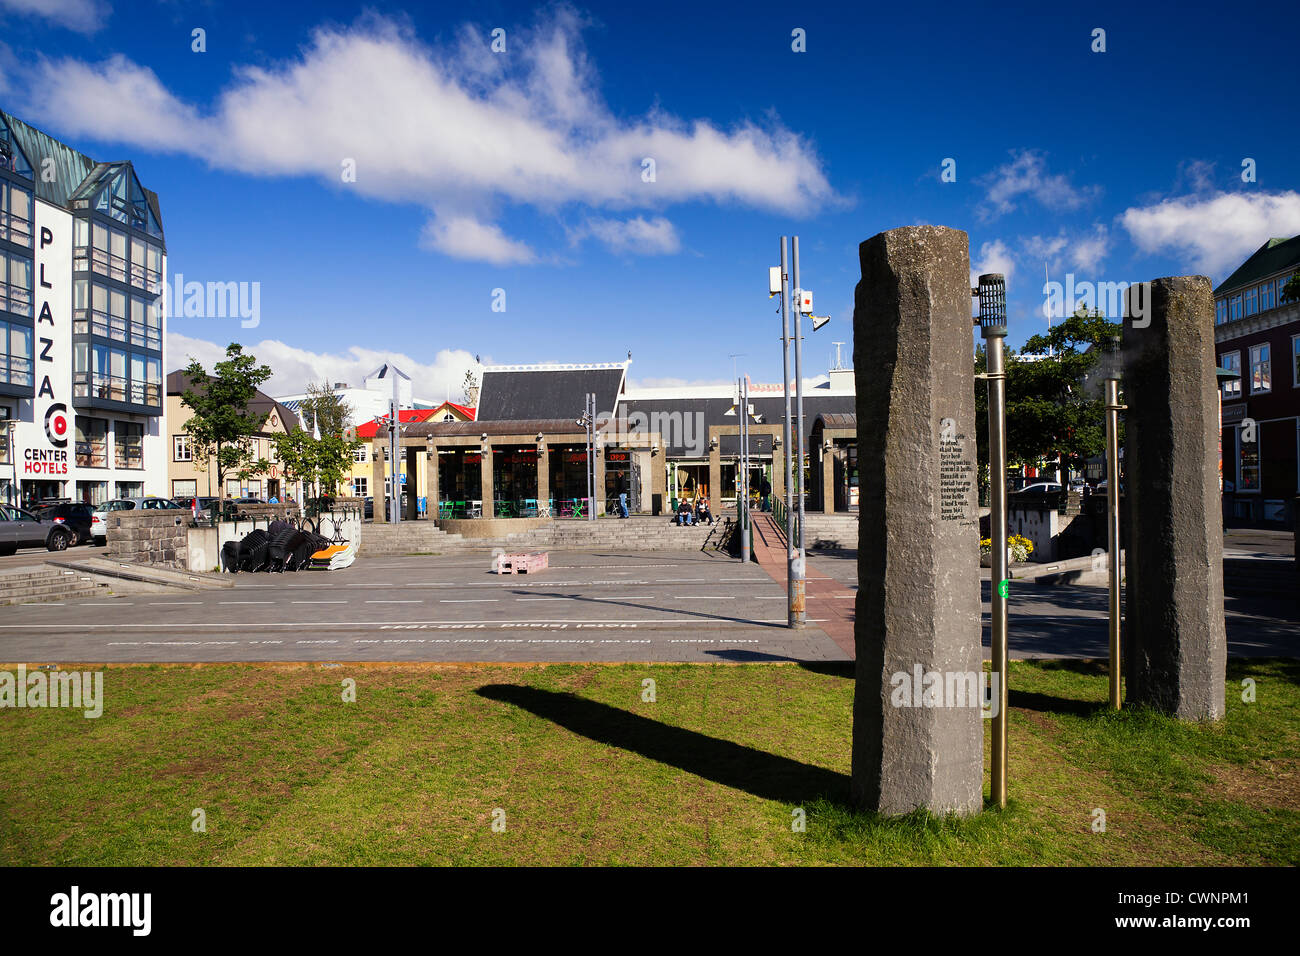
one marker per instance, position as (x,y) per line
(80,16)
(1027,176)
(1084,251)
(458,130)
(647,237)
(294,367)
(1216,233)
(463,237)
(993,257)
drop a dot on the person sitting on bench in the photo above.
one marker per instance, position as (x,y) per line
(684,514)
(702,512)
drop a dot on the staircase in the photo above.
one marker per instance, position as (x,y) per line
(636,533)
(409,537)
(42,583)
(830,532)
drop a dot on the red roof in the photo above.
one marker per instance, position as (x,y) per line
(406,415)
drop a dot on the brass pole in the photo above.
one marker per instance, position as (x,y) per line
(1000,573)
(1113,408)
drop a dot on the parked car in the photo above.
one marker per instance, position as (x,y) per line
(98,527)
(1039,488)
(20,528)
(74,515)
(187,502)
(369,510)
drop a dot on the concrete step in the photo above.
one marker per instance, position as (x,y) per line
(59,597)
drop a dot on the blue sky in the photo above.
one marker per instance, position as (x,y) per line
(522,170)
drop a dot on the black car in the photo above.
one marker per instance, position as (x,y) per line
(69,515)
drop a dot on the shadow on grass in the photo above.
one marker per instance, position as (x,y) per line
(764,775)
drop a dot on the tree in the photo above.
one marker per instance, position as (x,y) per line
(1291,291)
(324,461)
(221,425)
(1055,408)
(325,408)
(470,387)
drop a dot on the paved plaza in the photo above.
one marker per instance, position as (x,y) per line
(634,606)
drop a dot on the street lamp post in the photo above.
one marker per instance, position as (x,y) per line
(794,578)
(992,320)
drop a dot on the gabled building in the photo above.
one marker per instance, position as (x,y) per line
(190,478)
(1257,335)
(82,262)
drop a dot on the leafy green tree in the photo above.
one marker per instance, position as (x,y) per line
(1291,291)
(1055,407)
(221,424)
(324,461)
(325,408)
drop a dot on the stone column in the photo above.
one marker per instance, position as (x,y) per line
(543,476)
(1176,643)
(431,479)
(828,480)
(485,483)
(918,605)
(377,480)
(598,506)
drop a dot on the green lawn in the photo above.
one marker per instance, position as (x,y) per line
(586,772)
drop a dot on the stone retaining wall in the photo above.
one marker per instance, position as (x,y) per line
(158,537)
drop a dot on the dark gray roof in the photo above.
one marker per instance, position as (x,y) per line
(770,409)
(835,419)
(522,393)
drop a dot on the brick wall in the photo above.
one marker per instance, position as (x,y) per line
(149,537)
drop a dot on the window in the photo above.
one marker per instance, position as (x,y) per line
(1295,361)
(15,284)
(15,214)
(185,488)
(1252,300)
(15,354)
(1281,284)
(1261,369)
(232,488)
(1231,387)
(128,445)
(1220,311)
(1234,307)
(92,442)
(359,486)
(1266,296)
(359,453)
(129,489)
(181,448)
(1248,460)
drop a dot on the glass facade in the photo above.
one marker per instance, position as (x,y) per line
(92,442)
(128,445)
(1261,369)
(16,283)
(15,355)
(1231,387)
(15,213)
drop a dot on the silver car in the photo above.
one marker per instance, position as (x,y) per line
(98,527)
(22,529)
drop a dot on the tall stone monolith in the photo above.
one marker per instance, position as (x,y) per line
(918,604)
(1176,648)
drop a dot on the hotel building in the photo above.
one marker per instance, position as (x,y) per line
(82,260)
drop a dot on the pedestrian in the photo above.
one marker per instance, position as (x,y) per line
(684,514)
(702,512)
(622,504)
(765,489)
